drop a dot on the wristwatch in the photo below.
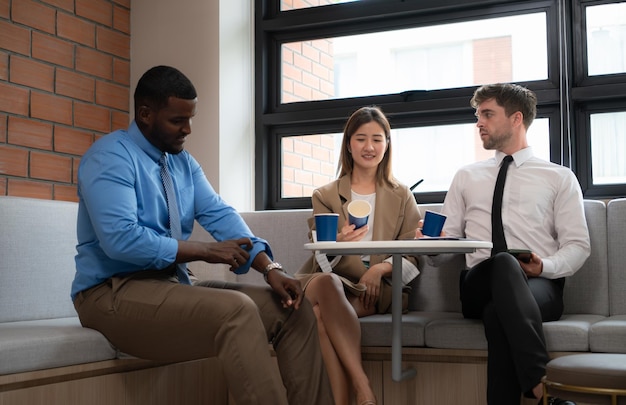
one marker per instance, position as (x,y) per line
(270,267)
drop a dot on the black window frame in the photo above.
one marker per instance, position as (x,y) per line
(563,97)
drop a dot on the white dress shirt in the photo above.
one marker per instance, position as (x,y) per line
(542,210)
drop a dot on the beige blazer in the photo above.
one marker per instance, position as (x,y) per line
(396,217)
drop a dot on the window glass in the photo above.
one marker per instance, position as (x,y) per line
(426,58)
(298,4)
(608,143)
(606,39)
(418,153)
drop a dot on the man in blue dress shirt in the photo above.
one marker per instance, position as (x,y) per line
(127,285)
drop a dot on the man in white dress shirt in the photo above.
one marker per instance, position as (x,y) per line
(542,211)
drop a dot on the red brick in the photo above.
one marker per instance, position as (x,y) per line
(71,141)
(31,189)
(65,192)
(92,117)
(34,14)
(31,73)
(112,95)
(96,10)
(48,166)
(52,49)
(5,9)
(121,71)
(125,3)
(113,42)
(4,66)
(119,120)
(75,85)
(75,164)
(13,99)
(14,38)
(29,133)
(76,29)
(121,19)
(3,128)
(311,52)
(3,186)
(13,161)
(67,5)
(51,108)
(94,63)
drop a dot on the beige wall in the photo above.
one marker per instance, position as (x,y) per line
(211,42)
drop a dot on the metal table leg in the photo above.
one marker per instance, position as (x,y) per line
(397,374)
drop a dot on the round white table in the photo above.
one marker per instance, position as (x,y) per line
(397,248)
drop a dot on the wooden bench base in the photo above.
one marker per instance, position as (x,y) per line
(115,382)
(444,376)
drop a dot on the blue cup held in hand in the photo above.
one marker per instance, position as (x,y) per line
(359,213)
(433,223)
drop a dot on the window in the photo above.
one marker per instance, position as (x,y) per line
(608,147)
(425,58)
(420,61)
(606,39)
(298,4)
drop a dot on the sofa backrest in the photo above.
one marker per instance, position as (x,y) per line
(616,216)
(285,230)
(586,290)
(37,248)
(436,289)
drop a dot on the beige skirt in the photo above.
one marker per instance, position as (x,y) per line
(383,305)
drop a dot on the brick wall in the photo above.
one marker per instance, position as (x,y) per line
(307,74)
(64,82)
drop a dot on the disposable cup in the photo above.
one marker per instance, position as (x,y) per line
(359,213)
(433,223)
(326,227)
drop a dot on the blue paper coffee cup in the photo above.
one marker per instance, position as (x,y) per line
(326,227)
(433,223)
(358,213)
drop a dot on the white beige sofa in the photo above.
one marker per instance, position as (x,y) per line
(47,357)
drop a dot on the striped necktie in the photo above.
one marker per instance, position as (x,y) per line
(174,218)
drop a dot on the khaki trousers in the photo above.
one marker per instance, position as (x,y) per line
(156,319)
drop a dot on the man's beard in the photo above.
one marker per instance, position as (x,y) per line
(496,142)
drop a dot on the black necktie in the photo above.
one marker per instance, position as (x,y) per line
(497,231)
(172,210)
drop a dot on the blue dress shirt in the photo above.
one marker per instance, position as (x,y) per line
(122,214)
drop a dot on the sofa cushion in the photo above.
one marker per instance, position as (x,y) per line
(376,329)
(608,335)
(37,247)
(585,291)
(452,331)
(40,344)
(616,218)
(570,333)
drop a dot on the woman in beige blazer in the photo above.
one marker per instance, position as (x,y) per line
(358,286)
